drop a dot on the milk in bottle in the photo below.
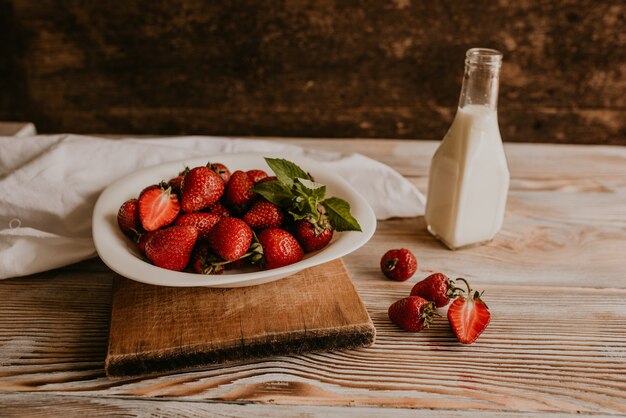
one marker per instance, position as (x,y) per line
(469,177)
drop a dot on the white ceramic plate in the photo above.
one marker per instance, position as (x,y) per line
(120,254)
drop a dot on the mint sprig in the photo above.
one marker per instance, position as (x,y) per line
(298,194)
(286,171)
(338,212)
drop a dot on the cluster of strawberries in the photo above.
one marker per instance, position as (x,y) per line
(206,219)
(468,315)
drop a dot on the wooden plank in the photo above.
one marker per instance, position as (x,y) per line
(547,349)
(41,405)
(156,328)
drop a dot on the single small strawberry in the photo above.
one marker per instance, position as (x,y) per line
(219,210)
(176,182)
(412,313)
(203,222)
(230,238)
(437,288)
(171,248)
(310,237)
(468,316)
(279,248)
(201,188)
(238,194)
(221,170)
(128,218)
(142,240)
(204,262)
(256,175)
(399,264)
(158,207)
(264,214)
(265,179)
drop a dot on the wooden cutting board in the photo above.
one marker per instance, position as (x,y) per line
(156,329)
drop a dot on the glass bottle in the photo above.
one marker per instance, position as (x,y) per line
(469,178)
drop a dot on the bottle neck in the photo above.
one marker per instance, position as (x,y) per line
(481,79)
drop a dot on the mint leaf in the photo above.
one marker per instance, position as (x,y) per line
(275,192)
(311,188)
(286,171)
(338,212)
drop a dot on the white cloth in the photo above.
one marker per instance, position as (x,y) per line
(49,185)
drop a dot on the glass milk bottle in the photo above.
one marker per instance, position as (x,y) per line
(469,177)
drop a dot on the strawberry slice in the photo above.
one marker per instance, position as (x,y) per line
(468,316)
(158,207)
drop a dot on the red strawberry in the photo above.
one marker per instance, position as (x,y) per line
(279,248)
(203,262)
(230,238)
(201,188)
(128,218)
(468,316)
(437,288)
(219,210)
(264,214)
(399,264)
(176,182)
(158,207)
(256,175)
(238,194)
(203,222)
(412,313)
(170,248)
(310,237)
(221,170)
(142,240)
(270,178)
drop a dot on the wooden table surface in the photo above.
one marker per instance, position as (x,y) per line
(554,278)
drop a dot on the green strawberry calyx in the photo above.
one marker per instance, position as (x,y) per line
(295,191)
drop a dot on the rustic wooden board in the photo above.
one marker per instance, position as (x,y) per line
(157,328)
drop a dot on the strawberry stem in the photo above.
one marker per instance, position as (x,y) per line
(469,290)
(391,264)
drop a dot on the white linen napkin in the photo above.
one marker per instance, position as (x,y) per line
(49,186)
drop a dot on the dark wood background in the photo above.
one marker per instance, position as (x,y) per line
(326,68)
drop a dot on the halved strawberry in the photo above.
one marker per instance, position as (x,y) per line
(468,316)
(158,207)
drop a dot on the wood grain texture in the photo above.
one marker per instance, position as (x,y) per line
(320,69)
(156,328)
(45,405)
(554,279)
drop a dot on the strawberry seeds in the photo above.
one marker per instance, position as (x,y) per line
(468,315)
(206,220)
